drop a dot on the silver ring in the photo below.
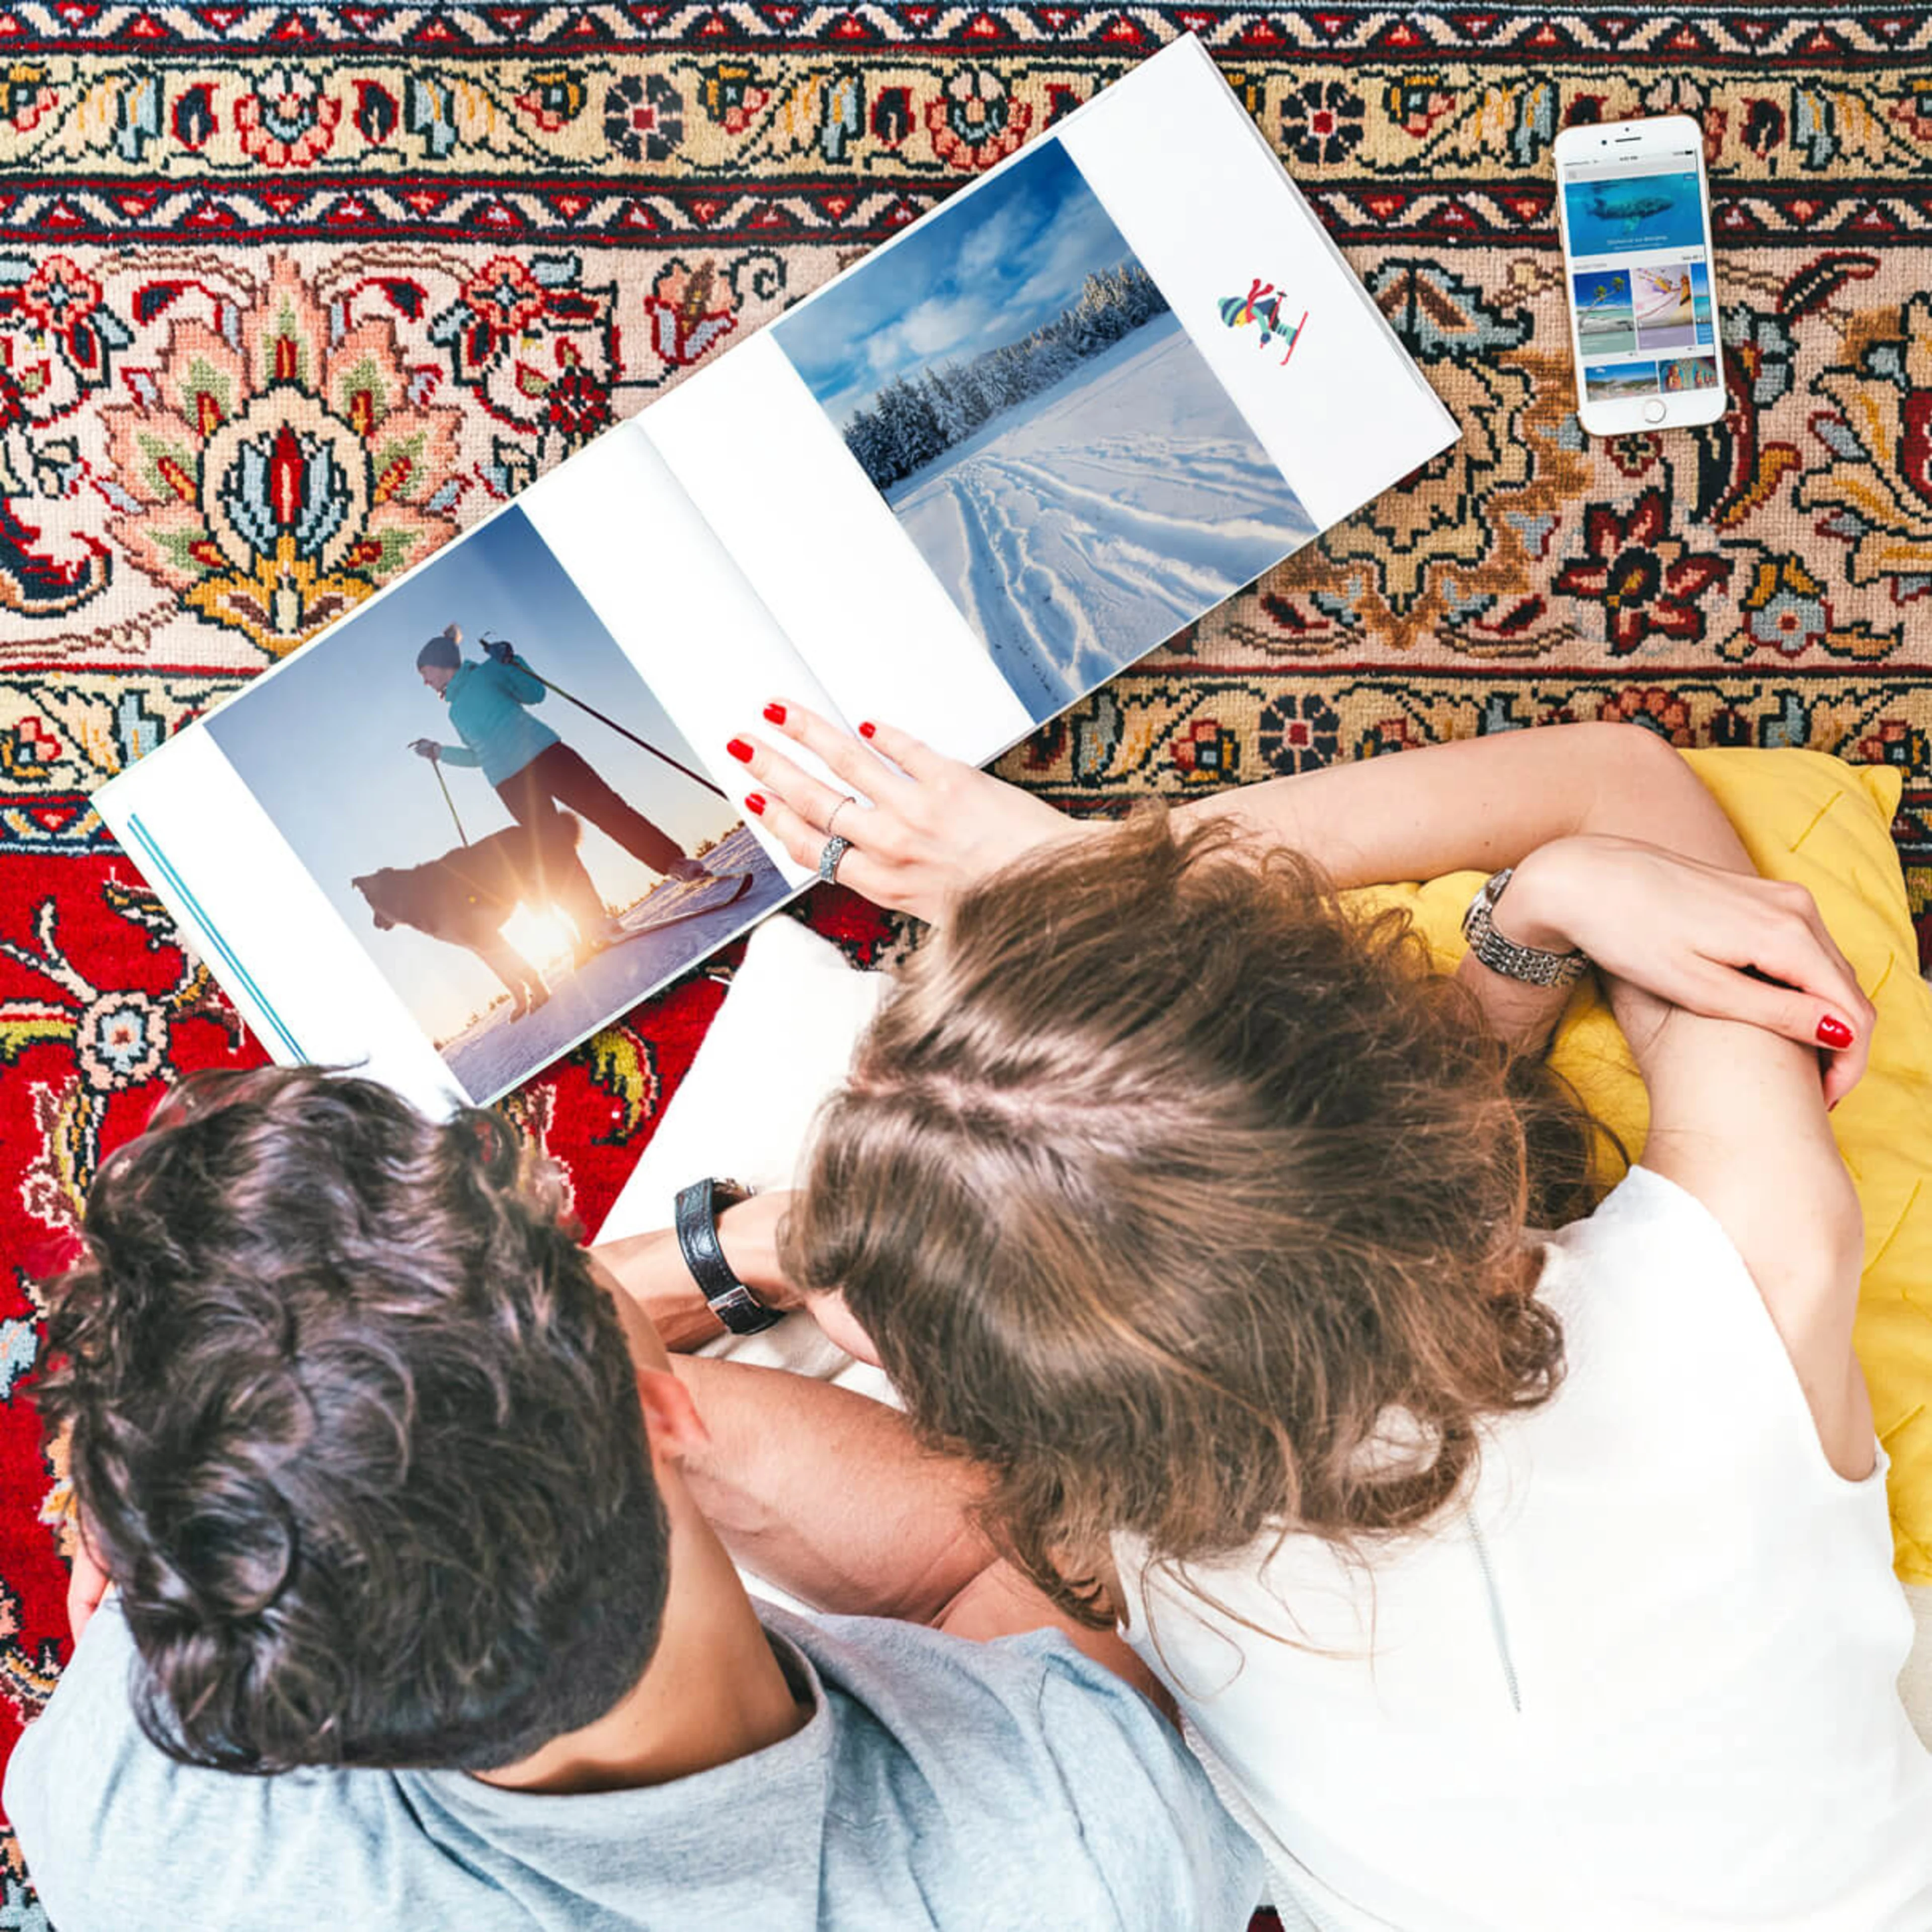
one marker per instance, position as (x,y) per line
(836,849)
(832,817)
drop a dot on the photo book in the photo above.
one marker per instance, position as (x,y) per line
(1013,449)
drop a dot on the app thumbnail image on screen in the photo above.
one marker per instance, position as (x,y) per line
(1621,217)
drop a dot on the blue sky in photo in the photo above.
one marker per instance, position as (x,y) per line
(1599,374)
(991,266)
(1603,288)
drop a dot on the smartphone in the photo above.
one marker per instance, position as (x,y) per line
(1635,211)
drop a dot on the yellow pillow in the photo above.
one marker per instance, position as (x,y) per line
(1827,825)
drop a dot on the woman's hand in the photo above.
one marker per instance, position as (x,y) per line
(933,825)
(1723,944)
(427,747)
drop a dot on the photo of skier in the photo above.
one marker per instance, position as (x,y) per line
(519,839)
(535,774)
(1044,430)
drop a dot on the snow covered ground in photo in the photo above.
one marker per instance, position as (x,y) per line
(494,1055)
(1079,530)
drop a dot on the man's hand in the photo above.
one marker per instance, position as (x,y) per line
(500,649)
(427,747)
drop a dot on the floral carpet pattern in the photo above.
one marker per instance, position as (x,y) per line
(290,295)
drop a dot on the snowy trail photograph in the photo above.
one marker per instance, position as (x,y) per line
(1045,431)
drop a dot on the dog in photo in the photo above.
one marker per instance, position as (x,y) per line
(464,897)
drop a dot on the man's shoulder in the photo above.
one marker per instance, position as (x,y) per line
(1017,1777)
(873,1658)
(85,1775)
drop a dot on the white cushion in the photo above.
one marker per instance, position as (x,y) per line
(778,1046)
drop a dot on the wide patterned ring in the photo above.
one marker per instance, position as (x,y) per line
(836,849)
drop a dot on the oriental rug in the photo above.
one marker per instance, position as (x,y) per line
(447,244)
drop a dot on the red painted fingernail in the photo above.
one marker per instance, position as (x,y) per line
(740,750)
(866,730)
(754,804)
(774,714)
(1834,1033)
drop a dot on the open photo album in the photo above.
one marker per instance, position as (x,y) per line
(1012,450)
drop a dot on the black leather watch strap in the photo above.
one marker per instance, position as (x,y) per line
(733,1303)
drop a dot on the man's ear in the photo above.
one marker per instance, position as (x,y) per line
(671,1420)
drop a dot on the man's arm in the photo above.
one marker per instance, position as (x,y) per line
(651,1270)
(827,1494)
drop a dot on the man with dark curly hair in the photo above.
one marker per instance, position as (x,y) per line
(413,1621)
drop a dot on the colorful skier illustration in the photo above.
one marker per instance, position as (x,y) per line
(1262,306)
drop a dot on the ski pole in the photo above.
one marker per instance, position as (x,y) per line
(623,731)
(435,766)
(643,744)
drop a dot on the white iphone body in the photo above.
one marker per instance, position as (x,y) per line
(1635,212)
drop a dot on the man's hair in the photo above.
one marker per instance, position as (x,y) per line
(439,650)
(1163,1183)
(355,1431)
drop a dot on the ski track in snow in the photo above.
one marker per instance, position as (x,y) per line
(1086,526)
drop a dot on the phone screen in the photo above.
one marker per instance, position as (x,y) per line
(1640,276)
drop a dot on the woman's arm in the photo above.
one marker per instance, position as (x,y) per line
(1480,804)
(1704,936)
(446,754)
(1736,1119)
(514,678)
(1483,803)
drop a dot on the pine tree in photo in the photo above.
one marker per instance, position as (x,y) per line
(915,419)
(971,388)
(867,441)
(948,412)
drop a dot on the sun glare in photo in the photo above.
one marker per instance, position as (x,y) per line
(543,938)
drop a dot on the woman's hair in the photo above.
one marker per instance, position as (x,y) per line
(355,1431)
(1189,1204)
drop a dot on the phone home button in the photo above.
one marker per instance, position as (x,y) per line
(1654,412)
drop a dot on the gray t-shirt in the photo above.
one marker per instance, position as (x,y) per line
(938,1782)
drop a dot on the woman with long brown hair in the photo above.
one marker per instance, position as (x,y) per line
(1510,1579)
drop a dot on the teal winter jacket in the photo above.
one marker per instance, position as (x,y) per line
(488,704)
